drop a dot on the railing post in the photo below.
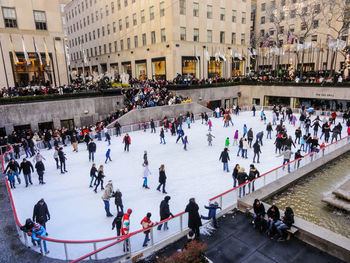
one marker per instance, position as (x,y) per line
(237,194)
(66,250)
(152,240)
(220,200)
(276,174)
(42,247)
(25,239)
(250,187)
(95,248)
(181,223)
(264,180)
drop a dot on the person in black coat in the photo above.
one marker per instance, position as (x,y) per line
(41,213)
(27,168)
(40,169)
(117,222)
(162,179)
(117,129)
(241,178)
(165,213)
(224,157)
(257,151)
(93,176)
(273,215)
(259,214)
(92,150)
(286,223)
(253,174)
(14,166)
(118,200)
(62,158)
(234,174)
(153,129)
(194,220)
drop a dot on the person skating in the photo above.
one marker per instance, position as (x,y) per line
(180,133)
(210,125)
(62,158)
(253,174)
(286,157)
(14,166)
(40,169)
(242,178)
(108,138)
(224,158)
(37,234)
(245,130)
(145,158)
(153,129)
(250,137)
(259,137)
(161,135)
(297,156)
(125,229)
(269,130)
(146,223)
(41,213)
(245,148)
(118,201)
(210,139)
(127,142)
(27,168)
(185,142)
(286,223)
(235,138)
(55,156)
(11,178)
(145,174)
(74,142)
(117,129)
(92,150)
(38,158)
(108,155)
(93,172)
(257,151)
(117,222)
(227,142)
(100,176)
(165,213)
(212,213)
(234,174)
(107,195)
(194,220)
(162,179)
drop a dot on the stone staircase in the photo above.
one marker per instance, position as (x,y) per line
(340,197)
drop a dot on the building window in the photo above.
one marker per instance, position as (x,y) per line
(128,44)
(314,38)
(114,27)
(107,12)
(127,22)
(209,36)
(263,6)
(108,29)
(121,44)
(101,13)
(162,35)
(112,7)
(182,7)
(293,13)
(234,16)
(103,31)
(222,37)
(195,9)
(151,13)
(161,9)
(125,3)
(233,38)
(96,15)
(209,11)
(303,26)
(142,16)
(92,18)
(196,35)
(262,21)
(115,46)
(144,39)
(317,9)
(242,39)
(315,24)
(98,33)
(153,37)
(244,17)
(283,2)
(282,15)
(134,19)
(120,25)
(88,20)
(183,33)
(40,20)
(222,14)
(10,18)
(100,50)
(93,34)
(118,4)
(110,47)
(136,41)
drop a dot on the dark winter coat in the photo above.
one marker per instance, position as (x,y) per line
(164,209)
(118,198)
(194,219)
(224,157)
(275,215)
(41,213)
(39,166)
(297,133)
(242,178)
(259,210)
(108,137)
(26,167)
(253,173)
(117,222)
(162,177)
(250,135)
(92,147)
(256,147)
(269,127)
(93,172)
(235,173)
(61,156)
(288,218)
(14,166)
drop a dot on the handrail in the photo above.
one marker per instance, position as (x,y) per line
(268,172)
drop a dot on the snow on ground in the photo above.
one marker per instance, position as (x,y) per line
(77,213)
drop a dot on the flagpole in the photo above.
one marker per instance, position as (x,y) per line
(65,59)
(3,63)
(58,70)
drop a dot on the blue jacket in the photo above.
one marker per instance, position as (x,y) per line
(108,153)
(245,129)
(180,132)
(39,233)
(212,210)
(10,177)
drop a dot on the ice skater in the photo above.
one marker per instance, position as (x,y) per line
(210,139)
(162,179)
(108,155)
(185,142)
(180,133)
(162,140)
(93,176)
(224,158)
(212,213)
(100,176)
(146,173)
(127,142)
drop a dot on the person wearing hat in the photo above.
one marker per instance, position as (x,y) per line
(41,213)
(27,168)
(37,234)
(164,212)
(108,193)
(125,229)
(146,223)
(14,166)
(40,169)
(38,158)
(194,220)
(212,213)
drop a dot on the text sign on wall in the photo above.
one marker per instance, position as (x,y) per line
(327,95)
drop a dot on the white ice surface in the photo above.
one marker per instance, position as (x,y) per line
(77,213)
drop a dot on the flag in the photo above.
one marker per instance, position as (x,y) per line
(86,62)
(222,56)
(289,38)
(255,52)
(217,56)
(26,57)
(307,45)
(57,54)
(195,53)
(37,52)
(250,54)
(15,58)
(206,54)
(267,41)
(67,54)
(47,57)
(300,47)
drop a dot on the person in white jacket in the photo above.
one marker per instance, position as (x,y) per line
(245,148)
(146,173)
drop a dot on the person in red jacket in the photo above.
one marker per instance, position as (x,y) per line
(146,222)
(127,142)
(334,116)
(125,229)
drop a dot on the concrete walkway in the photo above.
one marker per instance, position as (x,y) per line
(237,241)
